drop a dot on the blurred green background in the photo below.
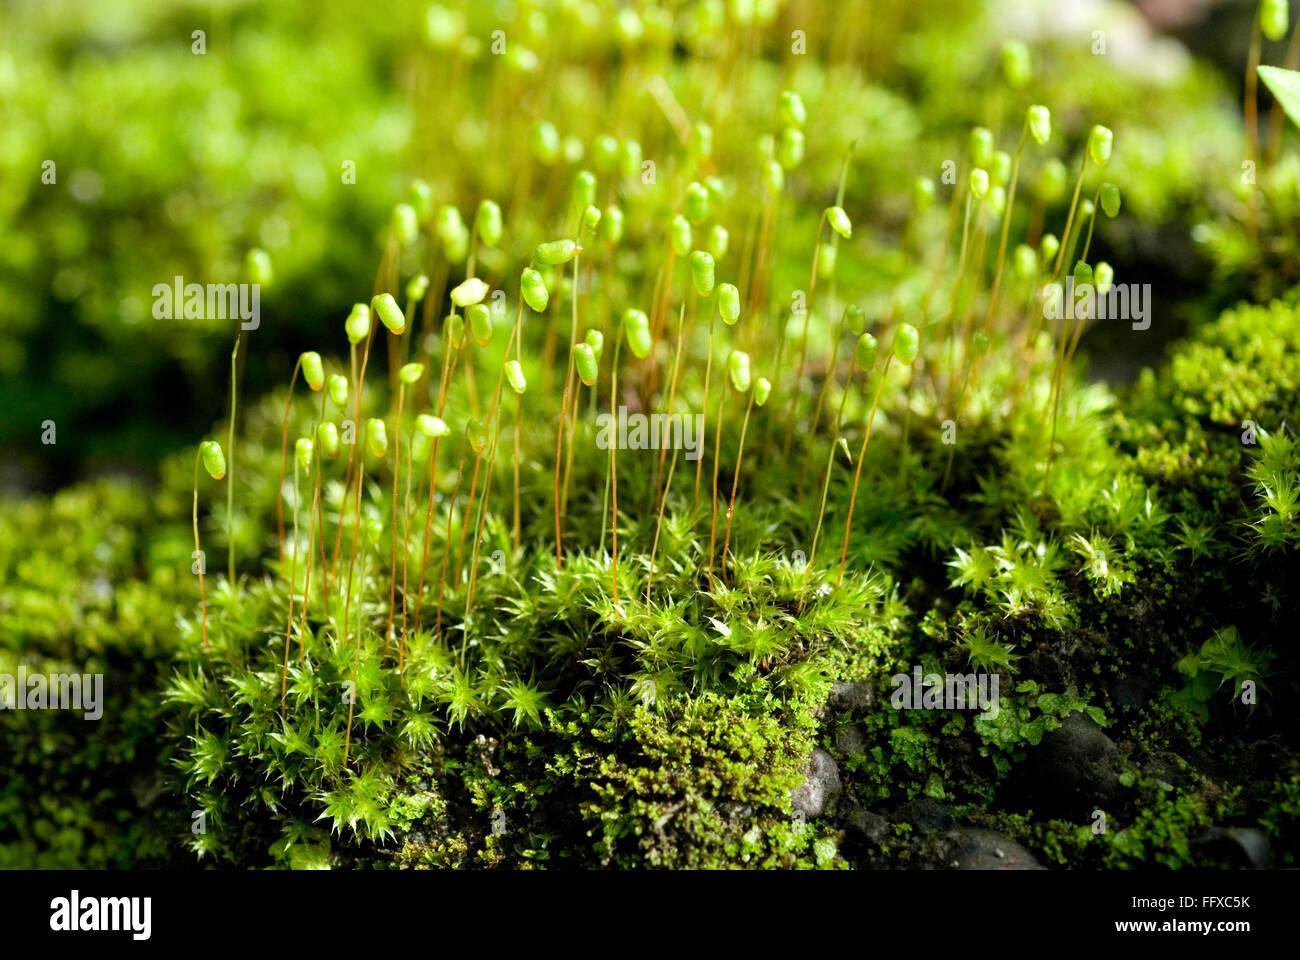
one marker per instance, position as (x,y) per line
(170,161)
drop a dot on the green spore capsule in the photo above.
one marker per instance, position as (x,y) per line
(376,438)
(302,451)
(431,426)
(1025,260)
(773,177)
(865,351)
(590,225)
(488,221)
(534,290)
(1082,274)
(719,241)
(1052,182)
(738,370)
(604,153)
(791,109)
(701,141)
(443,28)
(410,373)
(1039,120)
(469,292)
(214,460)
(416,288)
(555,252)
(546,143)
(313,370)
(1086,209)
(420,449)
(584,189)
(702,272)
(854,319)
(405,224)
(922,193)
(1048,247)
(839,221)
(515,376)
(420,197)
(1110,201)
(907,344)
(979,183)
(728,303)
(1000,170)
(762,390)
(477,434)
(998,201)
(630,162)
(389,313)
(1017,68)
(790,147)
(258,264)
(1274,19)
(679,235)
(327,437)
(697,202)
(522,60)
(826,257)
(451,230)
(1103,277)
(596,340)
(980,146)
(357,326)
(628,26)
(337,386)
(480,323)
(611,226)
(584,359)
(455,324)
(637,327)
(980,343)
(1100,143)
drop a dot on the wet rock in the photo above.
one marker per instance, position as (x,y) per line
(1168,768)
(850,739)
(869,827)
(1240,847)
(821,786)
(851,695)
(926,814)
(974,849)
(1073,770)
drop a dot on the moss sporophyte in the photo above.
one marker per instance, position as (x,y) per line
(471,583)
